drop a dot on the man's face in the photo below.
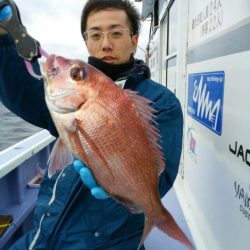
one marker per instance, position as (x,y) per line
(116,44)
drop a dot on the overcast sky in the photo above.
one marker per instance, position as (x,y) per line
(56,25)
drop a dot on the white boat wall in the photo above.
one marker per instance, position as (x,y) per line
(200,49)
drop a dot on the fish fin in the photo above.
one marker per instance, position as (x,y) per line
(59,158)
(146,113)
(148,225)
(132,207)
(166,223)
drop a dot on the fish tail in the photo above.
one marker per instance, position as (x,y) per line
(166,223)
(147,228)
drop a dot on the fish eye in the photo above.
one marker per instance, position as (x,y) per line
(77,73)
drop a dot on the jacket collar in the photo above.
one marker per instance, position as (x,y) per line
(121,71)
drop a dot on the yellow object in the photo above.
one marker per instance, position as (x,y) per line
(5,225)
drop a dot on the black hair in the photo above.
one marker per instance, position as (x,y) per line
(125,5)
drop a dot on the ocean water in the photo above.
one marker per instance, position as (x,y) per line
(13,129)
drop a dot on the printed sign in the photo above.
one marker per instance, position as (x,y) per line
(243,195)
(205,99)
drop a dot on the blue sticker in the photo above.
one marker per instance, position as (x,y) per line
(205,99)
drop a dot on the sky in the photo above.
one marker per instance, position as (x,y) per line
(56,25)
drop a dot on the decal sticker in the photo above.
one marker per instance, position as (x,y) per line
(243,196)
(205,99)
(191,144)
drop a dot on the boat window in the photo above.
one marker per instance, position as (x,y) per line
(171,46)
(172,29)
(156,13)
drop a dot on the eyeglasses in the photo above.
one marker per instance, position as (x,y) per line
(113,34)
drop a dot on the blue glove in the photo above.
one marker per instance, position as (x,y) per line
(5,12)
(89,180)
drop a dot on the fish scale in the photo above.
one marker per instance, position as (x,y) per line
(109,143)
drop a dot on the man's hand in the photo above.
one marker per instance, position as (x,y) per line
(89,180)
(5,12)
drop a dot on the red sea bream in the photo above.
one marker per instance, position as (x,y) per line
(109,129)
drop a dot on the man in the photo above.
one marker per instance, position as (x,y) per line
(67,215)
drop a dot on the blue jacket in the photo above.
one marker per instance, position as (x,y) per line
(67,216)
